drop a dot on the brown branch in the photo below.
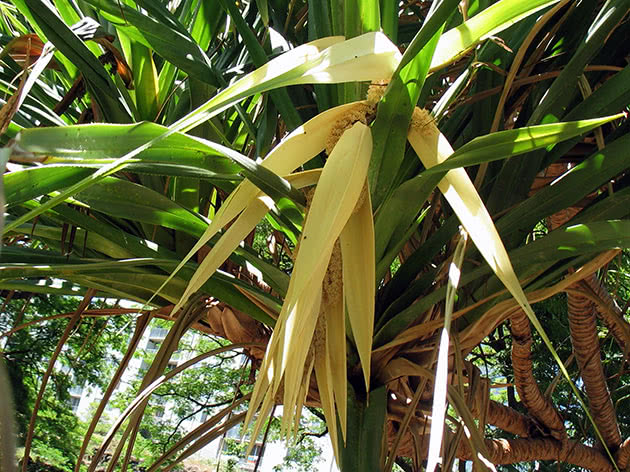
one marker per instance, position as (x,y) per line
(609,312)
(511,451)
(497,414)
(622,456)
(537,405)
(141,325)
(585,340)
(510,420)
(191,313)
(520,81)
(51,364)
(494,413)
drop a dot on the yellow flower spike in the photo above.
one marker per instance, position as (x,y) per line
(336,195)
(337,357)
(359,275)
(299,147)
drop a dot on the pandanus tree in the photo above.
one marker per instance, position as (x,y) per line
(360,195)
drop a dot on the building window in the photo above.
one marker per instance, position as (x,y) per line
(158,333)
(234,433)
(74,403)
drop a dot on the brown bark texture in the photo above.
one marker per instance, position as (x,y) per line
(526,385)
(510,420)
(583,326)
(510,451)
(622,456)
(612,317)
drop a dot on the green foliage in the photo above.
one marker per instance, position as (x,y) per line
(116,207)
(234,447)
(87,358)
(202,390)
(230,465)
(301,457)
(303,453)
(266,241)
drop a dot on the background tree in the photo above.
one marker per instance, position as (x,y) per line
(87,358)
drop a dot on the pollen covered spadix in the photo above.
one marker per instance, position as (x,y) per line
(337,193)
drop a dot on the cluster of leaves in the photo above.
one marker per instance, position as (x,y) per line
(561,64)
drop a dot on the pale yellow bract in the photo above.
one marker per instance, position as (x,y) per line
(331,215)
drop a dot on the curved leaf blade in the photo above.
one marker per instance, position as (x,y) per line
(510,143)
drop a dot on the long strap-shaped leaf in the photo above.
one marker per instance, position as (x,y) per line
(503,14)
(441,372)
(509,143)
(328,60)
(433,149)
(359,266)
(229,241)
